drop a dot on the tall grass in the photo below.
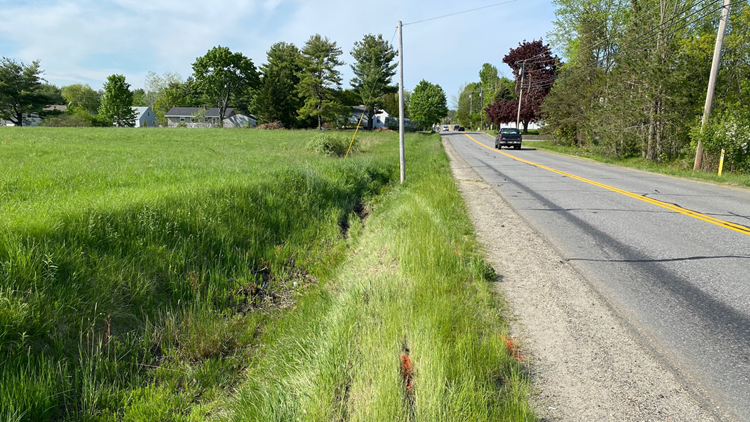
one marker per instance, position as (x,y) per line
(136,267)
(407,330)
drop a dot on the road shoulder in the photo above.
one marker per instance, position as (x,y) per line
(584,361)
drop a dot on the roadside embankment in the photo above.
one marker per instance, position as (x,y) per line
(409,329)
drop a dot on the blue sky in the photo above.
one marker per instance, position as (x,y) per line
(84,41)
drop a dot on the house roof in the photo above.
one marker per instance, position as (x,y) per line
(56,108)
(139,111)
(190,111)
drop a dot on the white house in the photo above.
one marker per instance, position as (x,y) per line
(144,117)
(378,120)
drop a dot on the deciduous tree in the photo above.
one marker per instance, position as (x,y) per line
(220,73)
(81,96)
(428,104)
(117,103)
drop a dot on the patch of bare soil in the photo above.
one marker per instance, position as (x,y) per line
(586,365)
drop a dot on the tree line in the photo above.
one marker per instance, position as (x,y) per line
(295,88)
(636,75)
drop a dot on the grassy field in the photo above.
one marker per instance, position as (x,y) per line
(679,168)
(145,275)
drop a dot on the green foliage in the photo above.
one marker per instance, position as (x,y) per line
(428,104)
(729,131)
(82,96)
(319,79)
(135,273)
(21,90)
(277,99)
(116,105)
(155,86)
(647,63)
(220,73)
(332,144)
(373,71)
(139,98)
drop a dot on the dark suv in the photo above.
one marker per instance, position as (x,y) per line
(507,137)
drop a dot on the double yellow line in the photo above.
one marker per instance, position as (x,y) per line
(707,218)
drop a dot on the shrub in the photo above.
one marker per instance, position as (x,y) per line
(729,131)
(271,126)
(331,144)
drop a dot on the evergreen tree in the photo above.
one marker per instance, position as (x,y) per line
(21,90)
(319,78)
(277,99)
(373,71)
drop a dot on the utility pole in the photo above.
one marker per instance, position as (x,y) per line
(712,80)
(481,109)
(471,110)
(520,97)
(402,160)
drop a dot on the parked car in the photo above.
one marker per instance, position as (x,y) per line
(455,127)
(460,128)
(445,128)
(507,137)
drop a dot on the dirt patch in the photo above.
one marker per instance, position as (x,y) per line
(586,364)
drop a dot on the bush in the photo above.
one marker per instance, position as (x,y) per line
(331,144)
(729,131)
(271,126)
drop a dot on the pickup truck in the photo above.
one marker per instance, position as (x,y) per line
(507,137)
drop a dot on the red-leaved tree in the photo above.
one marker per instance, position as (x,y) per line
(539,69)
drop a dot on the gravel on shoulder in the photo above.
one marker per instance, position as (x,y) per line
(586,364)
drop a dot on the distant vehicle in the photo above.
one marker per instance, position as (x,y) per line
(445,128)
(461,129)
(507,137)
(455,127)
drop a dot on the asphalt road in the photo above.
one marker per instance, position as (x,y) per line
(677,271)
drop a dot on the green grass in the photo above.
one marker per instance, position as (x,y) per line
(197,274)
(122,251)
(416,284)
(679,168)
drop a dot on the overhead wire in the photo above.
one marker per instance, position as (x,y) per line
(460,13)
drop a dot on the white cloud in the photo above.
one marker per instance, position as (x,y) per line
(86,40)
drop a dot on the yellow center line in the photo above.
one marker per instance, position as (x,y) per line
(707,218)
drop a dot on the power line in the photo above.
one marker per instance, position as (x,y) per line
(460,13)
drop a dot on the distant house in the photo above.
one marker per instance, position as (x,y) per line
(240,121)
(196,116)
(144,117)
(34,119)
(379,120)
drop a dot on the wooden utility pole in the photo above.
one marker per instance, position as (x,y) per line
(520,96)
(402,160)
(712,80)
